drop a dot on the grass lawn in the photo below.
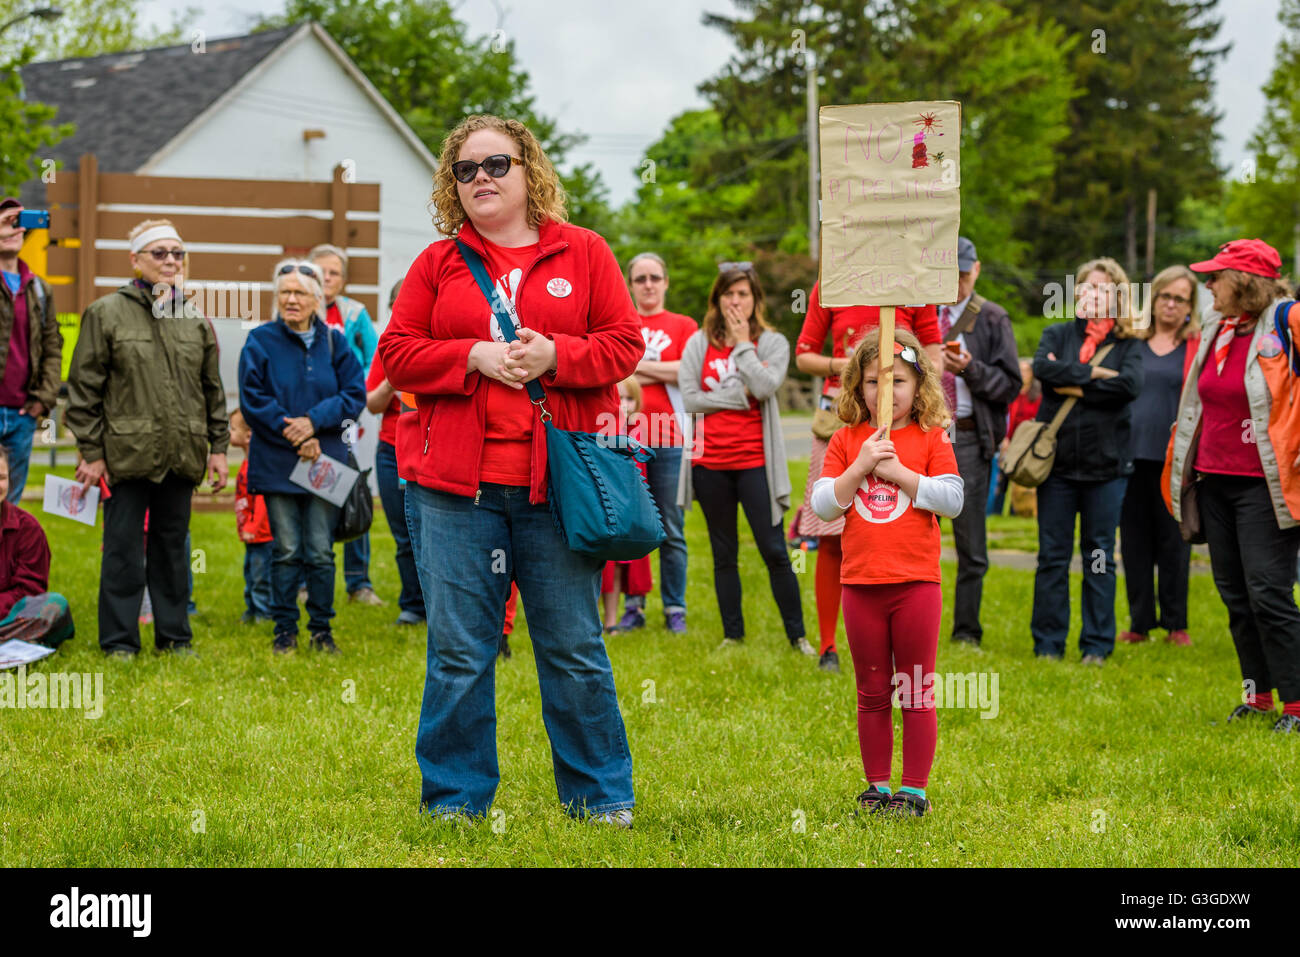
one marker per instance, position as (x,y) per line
(743,756)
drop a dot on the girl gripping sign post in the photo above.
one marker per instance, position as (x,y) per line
(891,492)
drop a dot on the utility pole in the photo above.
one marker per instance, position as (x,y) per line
(1151,234)
(814,157)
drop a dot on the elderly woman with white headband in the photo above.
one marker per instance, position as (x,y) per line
(298,384)
(147,407)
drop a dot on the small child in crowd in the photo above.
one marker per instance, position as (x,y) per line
(633,578)
(896,488)
(254,531)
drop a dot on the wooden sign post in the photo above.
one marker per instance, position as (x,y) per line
(890,210)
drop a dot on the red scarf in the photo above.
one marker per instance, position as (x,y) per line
(1223,341)
(1098,329)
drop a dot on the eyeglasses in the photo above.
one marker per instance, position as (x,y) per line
(647,278)
(1211,277)
(496,166)
(1176,300)
(288,268)
(298,293)
(729,267)
(160,255)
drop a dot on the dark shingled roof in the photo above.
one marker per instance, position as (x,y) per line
(127,106)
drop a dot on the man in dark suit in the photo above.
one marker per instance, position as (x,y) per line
(981,375)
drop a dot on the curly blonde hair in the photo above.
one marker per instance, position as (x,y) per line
(546,197)
(929,407)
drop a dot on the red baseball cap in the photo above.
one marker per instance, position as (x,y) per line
(1247,255)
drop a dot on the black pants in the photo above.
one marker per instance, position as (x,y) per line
(1150,542)
(970,536)
(1254,565)
(129,564)
(718,493)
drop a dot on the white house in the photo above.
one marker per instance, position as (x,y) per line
(285,104)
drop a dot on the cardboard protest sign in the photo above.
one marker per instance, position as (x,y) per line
(890,203)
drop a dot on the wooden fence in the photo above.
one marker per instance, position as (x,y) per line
(233,282)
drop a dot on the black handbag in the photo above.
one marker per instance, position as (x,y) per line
(358,509)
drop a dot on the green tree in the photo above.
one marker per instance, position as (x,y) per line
(86,28)
(423,60)
(1265,202)
(733,180)
(1145,121)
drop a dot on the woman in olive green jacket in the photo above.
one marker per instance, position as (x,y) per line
(147,407)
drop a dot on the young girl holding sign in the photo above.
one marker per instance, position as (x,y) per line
(896,488)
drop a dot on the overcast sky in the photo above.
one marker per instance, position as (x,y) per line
(619,71)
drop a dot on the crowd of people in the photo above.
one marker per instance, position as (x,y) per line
(1169,426)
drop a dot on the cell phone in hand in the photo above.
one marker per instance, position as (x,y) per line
(33,219)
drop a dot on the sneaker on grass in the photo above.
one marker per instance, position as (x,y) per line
(284,644)
(1287,723)
(621,818)
(830,661)
(1248,711)
(632,618)
(907,804)
(801,645)
(366,596)
(873,800)
(324,641)
(675,621)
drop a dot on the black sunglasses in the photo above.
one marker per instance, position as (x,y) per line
(496,166)
(305,270)
(160,255)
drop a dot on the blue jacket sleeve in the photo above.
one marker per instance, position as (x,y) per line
(257,403)
(363,331)
(350,399)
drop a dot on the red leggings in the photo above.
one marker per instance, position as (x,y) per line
(894,630)
(829,558)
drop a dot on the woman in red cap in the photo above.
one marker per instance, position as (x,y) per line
(1234,469)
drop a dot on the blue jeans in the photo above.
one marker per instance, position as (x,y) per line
(661,476)
(257,578)
(1098,506)
(303,526)
(356,563)
(16,431)
(393,497)
(467,554)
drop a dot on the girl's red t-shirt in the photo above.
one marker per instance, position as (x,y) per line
(887,539)
(507,445)
(732,438)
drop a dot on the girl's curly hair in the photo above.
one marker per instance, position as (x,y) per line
(546,196)
(929,407)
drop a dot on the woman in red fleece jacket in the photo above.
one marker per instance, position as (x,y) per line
(474,457)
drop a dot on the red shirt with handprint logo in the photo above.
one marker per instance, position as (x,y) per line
(887,539)
(731,438)
(665,335)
